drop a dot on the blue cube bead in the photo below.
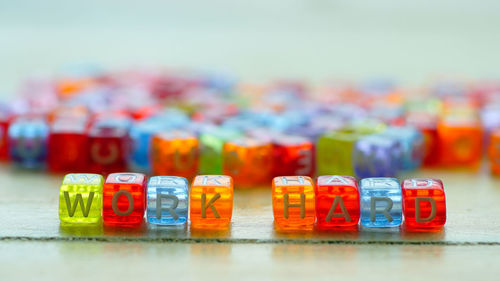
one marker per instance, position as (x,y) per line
(412,143)
(167,200)
(381,202)
(27,140)
(141,134)
(376,156)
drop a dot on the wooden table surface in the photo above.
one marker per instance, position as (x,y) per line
(30,234)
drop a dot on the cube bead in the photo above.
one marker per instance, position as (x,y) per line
(337,202)
(494,152)
(294,203)
(460,141)
(27,142)
(124,199)
(108,146)
(412,146)
(377,156)
(293,156)
(248,161)
(335,150)
(167,200)
(381,202)
(68,146)
(211,201)
(175,153)
(212,143)
(80,199)
(424,203)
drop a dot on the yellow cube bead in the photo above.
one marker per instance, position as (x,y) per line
(80,199)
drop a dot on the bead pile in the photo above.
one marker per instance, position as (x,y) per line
(182,123)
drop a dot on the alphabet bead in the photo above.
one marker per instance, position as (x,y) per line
(460,141)
(124,199)
(494,152)
(28,142)
(175,153)
(109,145)
(293,156)
(167,200)
(68,145)
(248,161)
(424,204)
(80,199)
(211,201)
(294,203)
(381,202)
(376,156)
(212,143)
(337,202)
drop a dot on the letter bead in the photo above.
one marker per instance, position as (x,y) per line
(80,199)
(211,201)
(337,202)
(167,200)
(494,152)
(381,202)
(124,199)
(175,153)
(294,203)
(424,203)
(27,142)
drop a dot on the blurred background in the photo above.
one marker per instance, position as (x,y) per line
(410,41)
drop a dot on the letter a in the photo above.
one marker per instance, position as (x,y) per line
(338,201)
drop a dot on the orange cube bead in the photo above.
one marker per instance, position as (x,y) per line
(248,161)
(294,205)
(494,152)
(175,154)
(460,141)
(211,201)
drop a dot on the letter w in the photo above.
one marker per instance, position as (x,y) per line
(78,199)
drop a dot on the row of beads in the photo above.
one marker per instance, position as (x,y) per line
(298,202)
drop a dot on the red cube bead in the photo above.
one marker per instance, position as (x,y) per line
(68,146)
(124,199)
(108,147)
(293,156)
(337,202)
(4,128)
(424,203)
(427,124)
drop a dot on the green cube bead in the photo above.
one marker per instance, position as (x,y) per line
(334,149)
(212,143)
(80,199)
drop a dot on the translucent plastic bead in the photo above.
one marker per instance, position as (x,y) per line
(211,202)
(124,199)
(377,156)
(167,200)
(80,199)
(412,144)
(175,153)
(424,203)
(381,202)
(28,142)
(294,203)
(337,202)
